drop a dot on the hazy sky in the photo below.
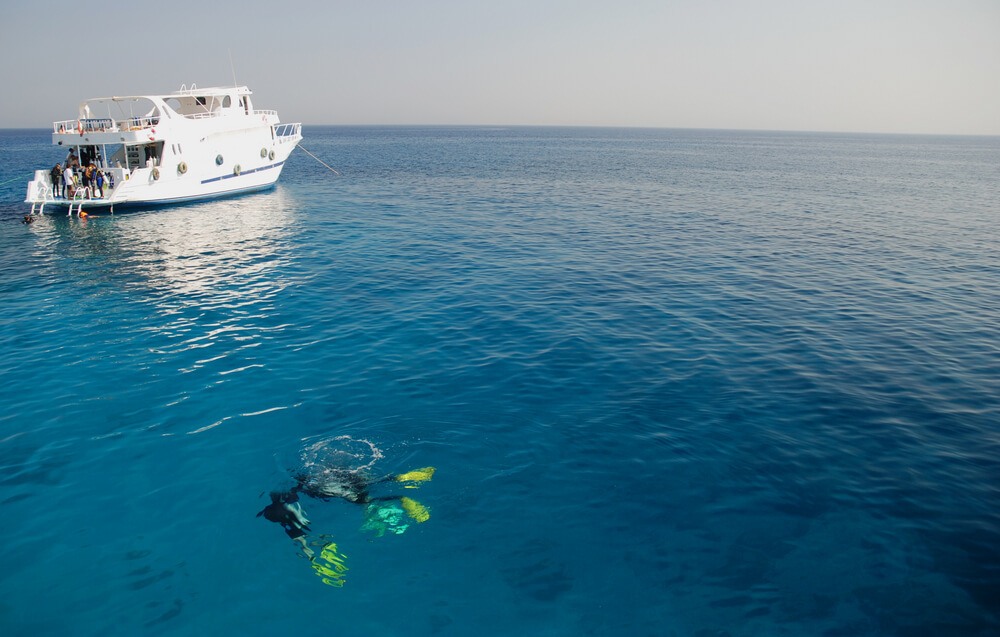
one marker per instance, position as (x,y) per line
(909,66)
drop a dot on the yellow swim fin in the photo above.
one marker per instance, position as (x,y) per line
(417,475)
(329,566)
(415,510)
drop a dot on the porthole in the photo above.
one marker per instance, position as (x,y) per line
(263,153)
(270,155)
(218,160)
(237,169)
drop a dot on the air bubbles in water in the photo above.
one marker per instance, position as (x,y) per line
(341,452)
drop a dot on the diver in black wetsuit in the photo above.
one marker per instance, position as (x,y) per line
(330,483)
(286,511)
(339,483)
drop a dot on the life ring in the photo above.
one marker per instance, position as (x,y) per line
(156,173)
(237,170)
(182,167)
(263,153)
(270,155)
(218,160)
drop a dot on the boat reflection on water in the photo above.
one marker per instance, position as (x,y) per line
(215,254)
(167,305)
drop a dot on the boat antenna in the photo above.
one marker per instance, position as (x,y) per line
(232,68)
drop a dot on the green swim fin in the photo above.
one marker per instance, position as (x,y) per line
(417,475)
(415,510)
(329,566)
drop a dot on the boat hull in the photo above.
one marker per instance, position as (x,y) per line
(173,155)
(158,186)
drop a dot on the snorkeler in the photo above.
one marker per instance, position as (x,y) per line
(350,485)
(286,511)
(340,468)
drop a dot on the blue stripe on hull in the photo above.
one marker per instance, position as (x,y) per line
(245,172)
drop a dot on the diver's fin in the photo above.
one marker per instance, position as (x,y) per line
(415,510)
(329,565)
(417,475)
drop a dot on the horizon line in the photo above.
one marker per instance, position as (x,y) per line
(610,126)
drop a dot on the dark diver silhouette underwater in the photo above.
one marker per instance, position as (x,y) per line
(329,471)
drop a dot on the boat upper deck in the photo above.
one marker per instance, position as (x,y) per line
(133,117)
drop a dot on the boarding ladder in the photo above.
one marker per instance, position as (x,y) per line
(79,196)
(43,195)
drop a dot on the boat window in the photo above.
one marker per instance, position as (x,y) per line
(201,101)
(227,102)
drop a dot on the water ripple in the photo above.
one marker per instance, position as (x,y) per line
(699,382)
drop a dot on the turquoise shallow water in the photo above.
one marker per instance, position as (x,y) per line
(673,382)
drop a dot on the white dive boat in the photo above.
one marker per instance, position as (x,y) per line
(161,149)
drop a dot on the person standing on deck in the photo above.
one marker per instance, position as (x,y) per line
(68,181)
(88,179)
(57,182)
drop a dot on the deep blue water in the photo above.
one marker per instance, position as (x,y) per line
(673,382)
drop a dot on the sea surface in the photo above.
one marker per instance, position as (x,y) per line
(673,383)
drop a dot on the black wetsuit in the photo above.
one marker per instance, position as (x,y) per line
(335,483)
(279,512)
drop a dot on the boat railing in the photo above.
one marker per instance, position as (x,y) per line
(287,132)
(138,123)
(265,115)
(103,125)
(206,115)
(89,125)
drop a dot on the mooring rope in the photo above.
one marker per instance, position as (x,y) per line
(9,181)
(317,159)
